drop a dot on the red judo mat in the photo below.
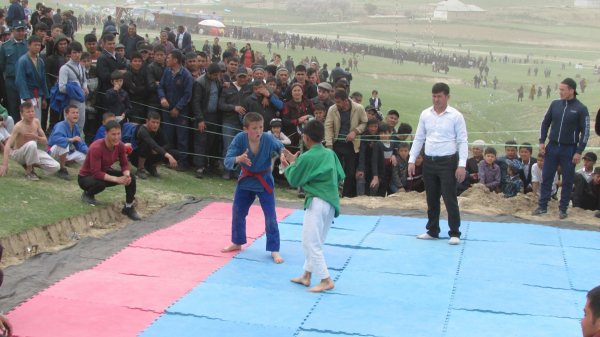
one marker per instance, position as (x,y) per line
(126,293)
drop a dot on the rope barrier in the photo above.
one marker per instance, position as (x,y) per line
(335,139)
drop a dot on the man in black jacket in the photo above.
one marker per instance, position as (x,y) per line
(153,148)
(136,85)
(230,109)
(308,89)
(154,73)
(130,40)
(108,61)
(205,100)
(569,123)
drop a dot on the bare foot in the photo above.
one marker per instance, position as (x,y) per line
(304,279)
(276,257)
(232,247)
(325,284)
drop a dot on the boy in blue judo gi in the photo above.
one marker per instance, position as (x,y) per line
(252,150)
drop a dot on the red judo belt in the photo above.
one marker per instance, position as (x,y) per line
(258,175)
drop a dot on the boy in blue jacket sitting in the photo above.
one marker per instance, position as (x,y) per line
(65,144)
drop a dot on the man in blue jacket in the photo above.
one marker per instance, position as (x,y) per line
(175,92)
(65,144)
(569,123)
(31,77)
(10,52)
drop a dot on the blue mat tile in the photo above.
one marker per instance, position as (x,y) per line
(513,232)
(584,279)
(471,323)
(515,272)
(260,275)
(246,305)
(582,258)
(291,251)
(360,223)
(409,243)
(514,298)
(191,326)
(581,298)
(316,334)
(581,239)
(370,316)
(290,232)
(296,217)
(434,290)
(509,251)
(409,263)
(400,225)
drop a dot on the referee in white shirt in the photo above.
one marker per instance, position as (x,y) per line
(442,129)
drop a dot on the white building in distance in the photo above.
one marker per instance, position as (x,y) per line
(456,10)
(587,3)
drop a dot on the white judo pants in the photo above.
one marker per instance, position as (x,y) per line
(317,222)
(57,151)
(28,154)
(6,130)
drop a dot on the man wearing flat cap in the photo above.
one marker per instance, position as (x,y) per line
(569,123)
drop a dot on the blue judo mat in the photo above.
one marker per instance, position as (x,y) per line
(504,279)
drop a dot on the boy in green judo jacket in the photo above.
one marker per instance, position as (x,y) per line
(318,171)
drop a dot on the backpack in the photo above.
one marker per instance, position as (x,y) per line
(322,76)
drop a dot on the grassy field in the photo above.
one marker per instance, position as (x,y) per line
(492,115)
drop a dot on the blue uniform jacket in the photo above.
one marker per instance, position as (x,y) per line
(28,78)
(62,132)
(10,52)
(176,88)
(569,120)
(260,162)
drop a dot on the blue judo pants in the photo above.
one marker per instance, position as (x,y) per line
(558,155)
(241,204)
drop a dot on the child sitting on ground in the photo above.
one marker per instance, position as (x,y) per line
(489,171)
(25,136)
(117,98)
(589,160)
(416,183)
(252,150)
(65,144)
(511,154)
(399,171)
(276,132)
(319,172)
(513,183)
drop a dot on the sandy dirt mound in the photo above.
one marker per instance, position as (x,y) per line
(479,200)
(50,238)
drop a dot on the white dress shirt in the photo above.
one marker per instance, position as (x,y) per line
(441,134)
(180,41)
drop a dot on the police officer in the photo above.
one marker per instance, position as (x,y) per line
(10,52)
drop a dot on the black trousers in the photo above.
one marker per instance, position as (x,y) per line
(439,174)
(347,156)
(144,151)
(94,186)
(208,143)
(582,195)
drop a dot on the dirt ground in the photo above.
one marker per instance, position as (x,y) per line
(479,200)
(50,238)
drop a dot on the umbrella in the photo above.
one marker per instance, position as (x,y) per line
(212,23)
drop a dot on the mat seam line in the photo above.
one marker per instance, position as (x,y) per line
(299,329)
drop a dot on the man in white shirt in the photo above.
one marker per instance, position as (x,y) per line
(441,128)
